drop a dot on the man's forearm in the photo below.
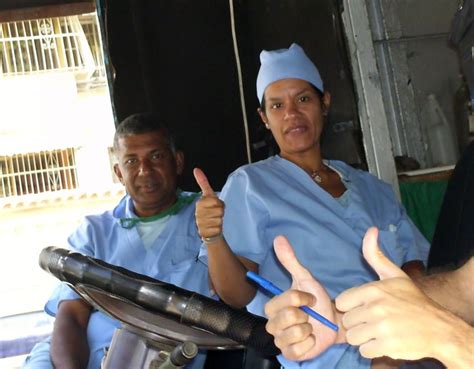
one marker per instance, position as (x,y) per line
(69,347)
(455,349)
(453,290)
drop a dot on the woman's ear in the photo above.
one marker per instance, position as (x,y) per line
(326,100)
(263,117)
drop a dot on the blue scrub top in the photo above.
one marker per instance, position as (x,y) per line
(172,258)
(276,197)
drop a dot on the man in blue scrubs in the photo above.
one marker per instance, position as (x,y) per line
(151,231)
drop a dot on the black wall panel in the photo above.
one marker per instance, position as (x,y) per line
(177,58)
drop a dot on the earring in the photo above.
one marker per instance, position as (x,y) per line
(267,126)
(325,110)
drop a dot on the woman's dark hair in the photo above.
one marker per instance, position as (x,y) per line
(317,90)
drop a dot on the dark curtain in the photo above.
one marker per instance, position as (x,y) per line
(177,58)
(453,240)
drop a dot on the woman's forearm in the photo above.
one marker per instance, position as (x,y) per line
(228,274)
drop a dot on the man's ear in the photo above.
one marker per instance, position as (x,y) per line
(263,116)
(179,157)
(118,172)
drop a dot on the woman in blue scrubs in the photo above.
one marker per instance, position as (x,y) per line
(323,207)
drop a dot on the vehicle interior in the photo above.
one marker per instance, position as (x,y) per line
(400,109)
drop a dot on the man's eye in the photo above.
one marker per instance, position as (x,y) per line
(276,106)
(304,98)
(130,161)
(157,156)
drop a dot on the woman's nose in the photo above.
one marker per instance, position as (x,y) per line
(290,110)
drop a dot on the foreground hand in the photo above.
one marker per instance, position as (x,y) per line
(299,336)
(209,209)
(390,317)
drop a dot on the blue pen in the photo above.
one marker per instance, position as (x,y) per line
(274,290)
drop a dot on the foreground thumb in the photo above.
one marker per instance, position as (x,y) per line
(286,256)
(382,265)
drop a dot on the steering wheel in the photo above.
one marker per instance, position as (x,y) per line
(160,311)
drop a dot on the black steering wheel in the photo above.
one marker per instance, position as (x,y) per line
(162,311)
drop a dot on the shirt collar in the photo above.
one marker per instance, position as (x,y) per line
(338,166)
(125,214)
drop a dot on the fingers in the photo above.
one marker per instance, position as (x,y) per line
(354,317)
(298,351)
(350,299)
(289,325)
(209,209)
(376,258)
(288,259)
(361,333)
(284,319)
(209,216)
(289,299)
(373,348)
(203,183)
(293,334)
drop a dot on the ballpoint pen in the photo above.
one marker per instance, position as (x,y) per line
(274,290)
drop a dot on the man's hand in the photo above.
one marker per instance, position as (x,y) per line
(390,317)
(209,209)
(299,336)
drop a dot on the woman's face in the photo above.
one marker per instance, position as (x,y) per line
(294,112)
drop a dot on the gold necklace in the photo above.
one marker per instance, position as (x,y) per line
(316,176)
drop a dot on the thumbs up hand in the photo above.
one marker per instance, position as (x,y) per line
(209,209)
(298,336)
(391,317)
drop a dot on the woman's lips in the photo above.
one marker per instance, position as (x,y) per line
(296,129)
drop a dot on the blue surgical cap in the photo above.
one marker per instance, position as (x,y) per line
(286,63)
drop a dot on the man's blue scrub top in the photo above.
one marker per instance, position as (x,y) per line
(172,258)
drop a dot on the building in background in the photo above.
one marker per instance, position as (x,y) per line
(56,128)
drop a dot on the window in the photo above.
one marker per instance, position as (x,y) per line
(34,173)
(56,122)
(68,44)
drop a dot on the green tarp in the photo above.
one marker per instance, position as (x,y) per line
(423,200)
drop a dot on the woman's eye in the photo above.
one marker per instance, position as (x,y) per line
(304,98)
(276,106)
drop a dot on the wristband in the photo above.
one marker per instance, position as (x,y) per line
(208,240)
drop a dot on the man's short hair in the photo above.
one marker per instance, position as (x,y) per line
(140,123)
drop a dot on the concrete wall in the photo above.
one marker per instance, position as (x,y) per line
(420,77)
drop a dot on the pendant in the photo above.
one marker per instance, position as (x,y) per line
(316,177)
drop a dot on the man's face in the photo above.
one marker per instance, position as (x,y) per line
(295,113)
(148,169)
